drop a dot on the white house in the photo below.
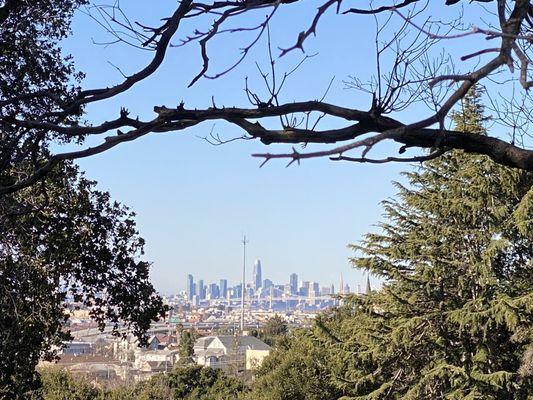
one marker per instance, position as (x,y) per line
(143,357)
(241,352)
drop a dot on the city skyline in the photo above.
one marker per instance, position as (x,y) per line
(293,283)
(234,275)
(202,198)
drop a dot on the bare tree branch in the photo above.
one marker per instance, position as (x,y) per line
(405,75)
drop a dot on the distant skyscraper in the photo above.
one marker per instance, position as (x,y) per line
(249,291)
(314,289)
(293,282)
(325,291)
(287,289)
(258,276)
(190,287)
(201,289)
(267,283)
(214,291)
(223,288)
(368,288)
(304,290)
(237,291)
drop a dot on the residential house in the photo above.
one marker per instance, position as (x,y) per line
(230,352)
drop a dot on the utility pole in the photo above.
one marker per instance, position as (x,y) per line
(244,242)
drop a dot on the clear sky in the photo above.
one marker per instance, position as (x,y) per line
(194,201)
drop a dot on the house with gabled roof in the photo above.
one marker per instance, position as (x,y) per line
(226,351)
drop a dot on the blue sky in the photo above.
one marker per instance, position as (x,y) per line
(195,201)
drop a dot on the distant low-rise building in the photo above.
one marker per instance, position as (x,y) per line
(230,352)
(77,348)
(154,360)
(255,357)
(96,371)
(123,350)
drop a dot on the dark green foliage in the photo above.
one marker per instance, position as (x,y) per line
(455,315)
(182,383)
(297,369)
(454,319)
(32,63)
(199,383)
(274,329)
(30,32)
(186,345)
(58,384)
(63,238)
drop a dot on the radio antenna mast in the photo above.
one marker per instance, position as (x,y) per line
(244,242)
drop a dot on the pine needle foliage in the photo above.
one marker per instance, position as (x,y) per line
(454,317)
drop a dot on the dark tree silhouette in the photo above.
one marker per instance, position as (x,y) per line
(69,246)
(39,105)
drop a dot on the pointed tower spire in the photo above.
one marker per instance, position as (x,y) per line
(368,288)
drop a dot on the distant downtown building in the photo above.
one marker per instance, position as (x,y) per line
(201,289)
(258,276)
(214,291)
(259,289)
(267,284)
(190,287)
(293,282)
(314,289)
(223,288)
(237,291)
(198,291)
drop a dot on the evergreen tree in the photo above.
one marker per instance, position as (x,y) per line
(454,318)
(191,382)
(59,384)
(186,345)
(274,329)
(297,369)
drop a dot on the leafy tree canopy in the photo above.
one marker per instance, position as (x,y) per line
(182,383)
(67,240)
(186,344)
(296,369)
(35,75)
(59,384)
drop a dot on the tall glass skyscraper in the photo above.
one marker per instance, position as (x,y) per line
(293,282)
(223,288)
(314,289)
(190,286)
(258,276)
(201,289)
(214,291)
(267,283)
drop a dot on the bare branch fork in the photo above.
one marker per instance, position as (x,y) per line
(411,79)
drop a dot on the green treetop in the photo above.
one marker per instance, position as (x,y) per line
(65,238)
(453,319)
